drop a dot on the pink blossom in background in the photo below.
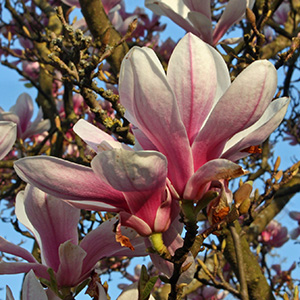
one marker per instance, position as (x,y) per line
(281,14)
(281,276)
(53,223)
(274,235)
(195,16)
(31,69)
(21,114)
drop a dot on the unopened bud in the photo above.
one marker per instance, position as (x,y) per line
(213,245)
(277,163)
(132,26)
(223,245)
(243,193)
(244,207)
(256,194)
(295,166)
(295,172)
(216,262)
(26,31)
(285,296)
(9,36)
(241,182)
(184,268)
(251,17)
(57,123)
(258,249)
(278,175)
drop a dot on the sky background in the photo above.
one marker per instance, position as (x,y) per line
(11,87)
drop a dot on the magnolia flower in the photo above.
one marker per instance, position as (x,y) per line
(194,115)
(195,16)
(281,277)
(8,135)
(120,180)
(274,235)
(53,223)
(21,113)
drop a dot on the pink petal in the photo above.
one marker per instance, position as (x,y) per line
(8,135)
(24,110)
(242,105)
(20,267)
(164,214)
(199,6)
(11,117)
(151,106)
(212,170)
(173,9)
(32,289)
(109,4)
(141,175)
(55,221)
(22,215)
(295,233)
(38,126)
(193,77)
(92,135)
(70,268)
(138,224)
(295,215)
(9,295)
(142,142)
(66,180)
(93,205)
(128,171)
(93,244)
(234,11)
(10,248)
(203,24)
(258,132)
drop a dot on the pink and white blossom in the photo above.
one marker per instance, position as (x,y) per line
(21,114)
(133,183)
(194,115)
(53,223)
(274,235)
(195,16)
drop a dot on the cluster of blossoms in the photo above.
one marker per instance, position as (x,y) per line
(191,125)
